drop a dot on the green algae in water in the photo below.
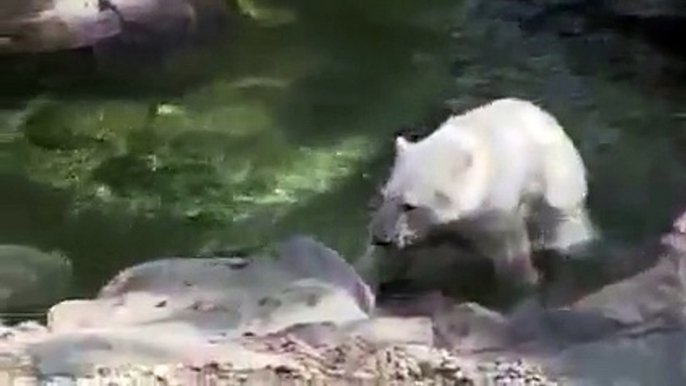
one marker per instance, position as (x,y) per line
(267,15)
(280,137)
(32,278)
(225,162)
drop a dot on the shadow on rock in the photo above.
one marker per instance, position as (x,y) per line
(593,332)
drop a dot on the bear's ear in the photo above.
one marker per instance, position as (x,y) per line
(401,144)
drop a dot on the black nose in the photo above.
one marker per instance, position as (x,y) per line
(380,242)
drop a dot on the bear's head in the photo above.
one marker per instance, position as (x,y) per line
(432,183)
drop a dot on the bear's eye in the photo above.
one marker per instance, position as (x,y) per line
(408,207)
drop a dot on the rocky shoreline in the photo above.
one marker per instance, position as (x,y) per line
(402,371)
(300,319)
(356,362)
(202,336)
(172,322)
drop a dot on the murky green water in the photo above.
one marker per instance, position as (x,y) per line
(283,129)
(286,129)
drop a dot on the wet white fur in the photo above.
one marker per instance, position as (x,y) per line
(499,157)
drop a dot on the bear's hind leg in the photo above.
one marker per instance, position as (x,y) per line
(510,250)
(566,231)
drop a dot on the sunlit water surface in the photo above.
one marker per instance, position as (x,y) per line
(283,128)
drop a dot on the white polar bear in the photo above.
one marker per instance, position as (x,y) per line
(507,167)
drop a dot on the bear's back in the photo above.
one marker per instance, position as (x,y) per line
(508,115)
(515,134)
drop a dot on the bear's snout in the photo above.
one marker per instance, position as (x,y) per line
(380,241)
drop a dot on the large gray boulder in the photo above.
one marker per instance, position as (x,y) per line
(194,309)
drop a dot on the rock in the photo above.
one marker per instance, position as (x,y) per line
(387,330)
(642,360)
(193,309)
(454,269)
(633,322)
(513,372)
(305,257)
(651,299)
(422,304)
(635,8)
(32,278)
(647,8)
(74,315)
(294,318)
(468,327)
(53,25)
(245,294)
(79,353)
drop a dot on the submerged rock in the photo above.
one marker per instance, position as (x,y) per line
(32,278)
(647,8)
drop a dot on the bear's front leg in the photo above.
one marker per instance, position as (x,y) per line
(503,237)
(514,262)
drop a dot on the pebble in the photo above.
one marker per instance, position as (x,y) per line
(392,364)
(514,373)
(353,361)
(161,371)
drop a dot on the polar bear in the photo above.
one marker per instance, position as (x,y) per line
(506,170)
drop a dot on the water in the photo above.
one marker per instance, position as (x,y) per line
(286,128)
(281,129)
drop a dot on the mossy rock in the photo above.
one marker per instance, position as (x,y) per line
(31,278)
